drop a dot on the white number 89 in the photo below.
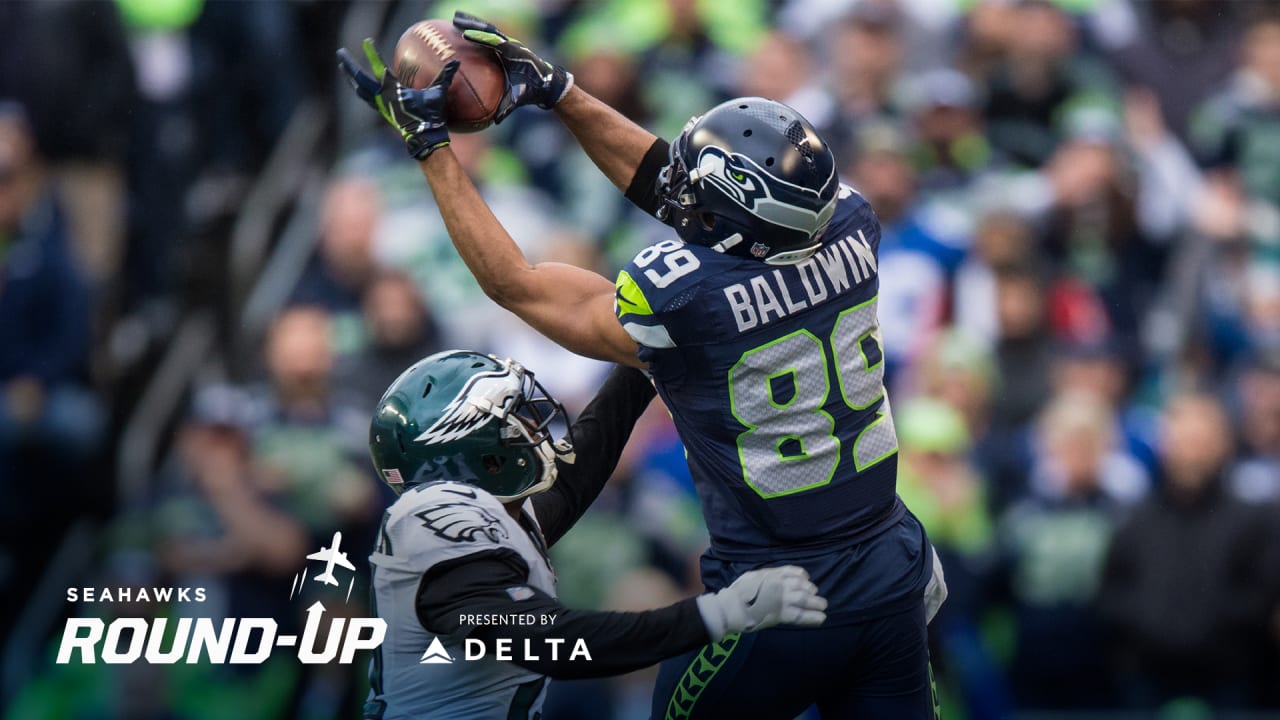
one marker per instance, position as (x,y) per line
(680,261)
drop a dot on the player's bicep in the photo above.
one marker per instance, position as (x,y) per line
(574,308)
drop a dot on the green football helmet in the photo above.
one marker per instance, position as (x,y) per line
(469,418)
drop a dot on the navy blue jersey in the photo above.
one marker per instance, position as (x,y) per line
(774,377)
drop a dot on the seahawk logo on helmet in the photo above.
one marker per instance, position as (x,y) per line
(732,174)
(743,181)
(750,170)
(469,418)
(462,522)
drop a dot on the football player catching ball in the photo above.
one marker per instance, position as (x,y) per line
(757,323)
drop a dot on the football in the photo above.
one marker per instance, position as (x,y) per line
(477,87)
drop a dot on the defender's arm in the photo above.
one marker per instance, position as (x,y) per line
(619,642)
(599,436)
(571,306)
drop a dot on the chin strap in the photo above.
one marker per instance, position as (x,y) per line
(791,257)
(547,453)
(727,243)
(564,451)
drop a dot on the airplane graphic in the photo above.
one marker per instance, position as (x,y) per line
(330,556)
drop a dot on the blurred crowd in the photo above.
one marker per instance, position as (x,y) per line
(1080,302)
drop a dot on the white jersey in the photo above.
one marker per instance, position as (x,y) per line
(428,525)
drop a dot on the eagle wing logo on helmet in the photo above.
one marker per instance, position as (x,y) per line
(486,395)
(739,178)
(462,522)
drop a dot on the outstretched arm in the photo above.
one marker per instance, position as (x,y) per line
(571,306)
(487,583)
(615,144)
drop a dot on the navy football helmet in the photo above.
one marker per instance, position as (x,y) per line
(751,177)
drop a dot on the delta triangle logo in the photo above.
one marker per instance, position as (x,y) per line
(435,654)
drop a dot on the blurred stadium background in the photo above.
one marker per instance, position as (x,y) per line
(213,259)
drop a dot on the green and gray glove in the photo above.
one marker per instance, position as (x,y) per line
(419,115)
(530,79)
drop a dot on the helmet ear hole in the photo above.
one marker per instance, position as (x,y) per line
(426,389)
(708,220)
(492,463)
(769,161)
(746,133)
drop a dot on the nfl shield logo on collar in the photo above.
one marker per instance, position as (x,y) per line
(759,250)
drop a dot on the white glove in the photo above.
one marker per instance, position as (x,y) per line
(761,599)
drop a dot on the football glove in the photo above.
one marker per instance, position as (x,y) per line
(419,115)
(530,79)
(761,599)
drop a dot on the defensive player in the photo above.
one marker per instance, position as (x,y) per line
(462,552)
(758,325)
